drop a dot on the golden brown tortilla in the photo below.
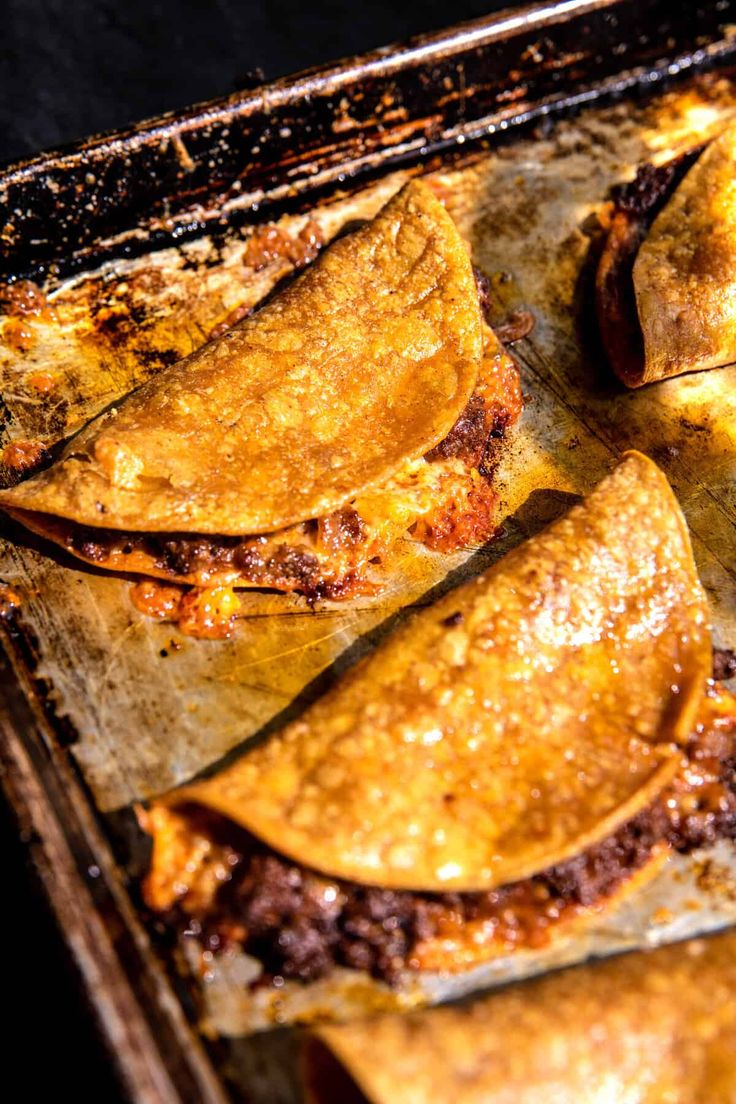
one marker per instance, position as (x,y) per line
(685,272)
(645,1028)
(508,727)
(364,362)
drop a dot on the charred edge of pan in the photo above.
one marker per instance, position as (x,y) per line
(21,639)
(301,925)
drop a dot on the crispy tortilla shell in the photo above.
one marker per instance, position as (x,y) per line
(365,361)
(508,727)
(685,272)
(646,1027)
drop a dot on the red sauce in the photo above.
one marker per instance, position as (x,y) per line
(209,613)
(157,600)
(21,302)
(24,299)
(42,381)
(519,324)
(18,335)
(23,456)
(204,612)
(271,243)
(236,315)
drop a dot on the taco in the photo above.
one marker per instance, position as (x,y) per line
(666,281)
(507,764)
(294,450)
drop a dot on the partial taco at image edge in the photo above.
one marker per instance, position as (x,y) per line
(666,280)
(648,1026)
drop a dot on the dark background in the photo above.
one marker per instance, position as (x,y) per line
(75,67)
(69,68)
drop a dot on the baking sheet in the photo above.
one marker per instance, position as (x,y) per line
(148,707)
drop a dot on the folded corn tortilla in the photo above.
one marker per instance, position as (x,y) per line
(685,272)
(667,291)
(507,727)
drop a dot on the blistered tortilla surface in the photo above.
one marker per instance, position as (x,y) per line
(685,271)
(509,726)
(646,1028)
(363,362)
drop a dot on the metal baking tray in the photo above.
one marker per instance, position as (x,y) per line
(140,241)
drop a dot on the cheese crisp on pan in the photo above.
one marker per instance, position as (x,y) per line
(512,758)
(666,281)
(295,449)
(648,1027)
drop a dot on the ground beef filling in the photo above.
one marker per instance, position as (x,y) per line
(469,437)
(643,197)
(301,925)
(635,206)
